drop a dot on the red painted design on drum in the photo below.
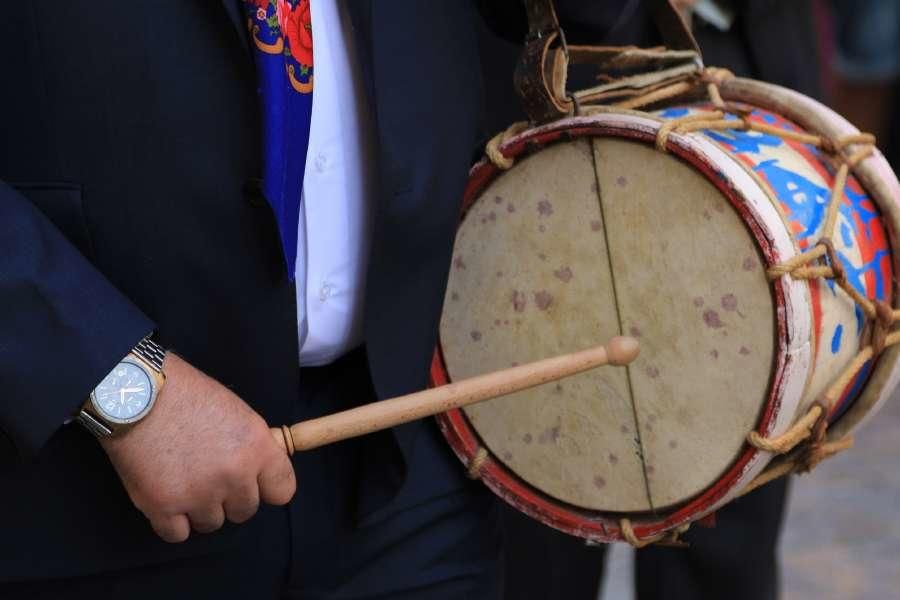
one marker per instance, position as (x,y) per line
(464,440)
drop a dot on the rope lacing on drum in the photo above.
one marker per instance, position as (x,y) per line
(670,537)
(806,437)
(492,149)
(473,469)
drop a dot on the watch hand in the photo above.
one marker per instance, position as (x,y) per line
(122,396)
(132,389)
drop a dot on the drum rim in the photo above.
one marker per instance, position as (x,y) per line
(599,525)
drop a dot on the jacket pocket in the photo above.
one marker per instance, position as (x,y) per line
(61,203)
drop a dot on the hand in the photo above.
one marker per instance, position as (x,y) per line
(201,456)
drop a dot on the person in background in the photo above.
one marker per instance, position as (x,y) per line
(863,53)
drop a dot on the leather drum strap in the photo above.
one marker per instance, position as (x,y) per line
(540,76)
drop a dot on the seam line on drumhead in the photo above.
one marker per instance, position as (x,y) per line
(612,278)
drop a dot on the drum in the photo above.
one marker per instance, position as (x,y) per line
(744,236)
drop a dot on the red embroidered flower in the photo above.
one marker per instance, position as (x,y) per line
(296,26)
(261,5)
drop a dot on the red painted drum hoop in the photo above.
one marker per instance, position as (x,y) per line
(596,525)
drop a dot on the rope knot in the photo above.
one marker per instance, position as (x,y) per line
(716,75)
(837,267)
(665,538)
(492,149)
(828,146)
(881,326)
(477,461)
(810,451)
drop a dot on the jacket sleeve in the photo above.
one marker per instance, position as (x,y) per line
(63,325)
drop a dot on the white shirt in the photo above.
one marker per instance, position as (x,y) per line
(335,217)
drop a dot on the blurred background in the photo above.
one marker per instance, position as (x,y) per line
(840,531)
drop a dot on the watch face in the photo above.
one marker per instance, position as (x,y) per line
(125,394)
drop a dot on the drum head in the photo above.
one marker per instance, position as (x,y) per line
(583,241)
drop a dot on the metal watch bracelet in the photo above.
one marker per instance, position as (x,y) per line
(151,352)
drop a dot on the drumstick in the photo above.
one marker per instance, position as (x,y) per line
(403,409)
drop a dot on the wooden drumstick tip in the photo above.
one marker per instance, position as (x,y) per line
(621,350)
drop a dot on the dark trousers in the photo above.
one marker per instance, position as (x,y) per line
(322,546)
(736,559)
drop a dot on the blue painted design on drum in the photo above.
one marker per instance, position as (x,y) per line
(674,113)
(836,339)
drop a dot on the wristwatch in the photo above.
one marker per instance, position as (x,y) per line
(127,394)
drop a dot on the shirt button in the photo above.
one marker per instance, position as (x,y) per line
(321,162)
(325,292)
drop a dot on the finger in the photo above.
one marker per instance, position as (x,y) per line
(277,483)
(207,519)
(242,504)
(172,529)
